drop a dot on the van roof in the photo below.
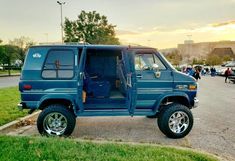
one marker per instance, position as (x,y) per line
(89,46)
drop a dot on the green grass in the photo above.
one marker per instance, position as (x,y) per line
(9,98)
(5,72)
(41,148)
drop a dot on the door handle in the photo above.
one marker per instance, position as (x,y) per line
(81,75)
(139,76)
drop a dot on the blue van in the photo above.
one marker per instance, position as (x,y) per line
(69,81)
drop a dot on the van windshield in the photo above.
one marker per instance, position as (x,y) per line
(171,66)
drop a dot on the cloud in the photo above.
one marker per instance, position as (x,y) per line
(126,32)
(165,36)
(223,23)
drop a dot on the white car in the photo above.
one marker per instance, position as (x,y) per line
(221,71)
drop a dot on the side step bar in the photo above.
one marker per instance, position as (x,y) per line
(114,112)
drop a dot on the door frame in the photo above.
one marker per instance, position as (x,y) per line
(80,81)
(131,92)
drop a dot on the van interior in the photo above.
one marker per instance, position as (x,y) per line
(104,79)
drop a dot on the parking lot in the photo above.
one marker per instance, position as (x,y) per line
(9,81)
(213,131)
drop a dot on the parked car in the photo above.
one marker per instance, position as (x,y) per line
(66,82)
(231,79)
(222,69)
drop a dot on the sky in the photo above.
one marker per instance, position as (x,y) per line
(156,23)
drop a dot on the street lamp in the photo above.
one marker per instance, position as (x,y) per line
(61,18)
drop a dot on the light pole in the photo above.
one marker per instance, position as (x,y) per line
(61,19)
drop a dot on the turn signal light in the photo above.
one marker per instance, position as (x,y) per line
(27,87)
(192,87)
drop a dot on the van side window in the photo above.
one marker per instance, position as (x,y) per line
(59,64)
(146,61)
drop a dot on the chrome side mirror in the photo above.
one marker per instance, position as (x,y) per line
(157,73)
(155,67)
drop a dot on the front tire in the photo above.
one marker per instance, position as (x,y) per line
(56,120)
(175,121)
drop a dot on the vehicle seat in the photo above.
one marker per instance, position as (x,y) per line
(95,86)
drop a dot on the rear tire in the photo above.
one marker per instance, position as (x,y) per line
(56,120)
(175,121)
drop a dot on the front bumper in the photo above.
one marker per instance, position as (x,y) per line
(196,102)
(21,106)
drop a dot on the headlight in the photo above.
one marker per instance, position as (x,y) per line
(186,87)
(182,87)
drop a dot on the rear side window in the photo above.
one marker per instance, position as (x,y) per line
(59,64)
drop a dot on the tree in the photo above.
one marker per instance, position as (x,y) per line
(8,53)
(1,55)
(90,27)
(174,57)
(197,61)
(228,58)
(0,41)
(23,43)
(213,60)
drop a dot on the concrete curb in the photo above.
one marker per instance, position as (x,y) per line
(15,122)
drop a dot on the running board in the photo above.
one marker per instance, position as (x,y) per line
(114,112)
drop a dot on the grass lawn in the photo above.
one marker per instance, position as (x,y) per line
(5,72)
(41,148)
(9,98)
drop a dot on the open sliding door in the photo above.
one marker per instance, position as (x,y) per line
(80,77)
(131,92)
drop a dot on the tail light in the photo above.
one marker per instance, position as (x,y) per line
(27,87)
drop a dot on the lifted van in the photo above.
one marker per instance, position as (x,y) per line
(69,81)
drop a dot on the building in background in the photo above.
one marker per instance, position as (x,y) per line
(190,50)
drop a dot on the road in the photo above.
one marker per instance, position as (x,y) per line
(9,81)
(213,131)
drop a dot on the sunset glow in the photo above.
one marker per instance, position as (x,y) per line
(164,39)
(160,24)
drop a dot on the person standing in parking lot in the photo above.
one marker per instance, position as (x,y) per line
(227,74)
(213,71)
(196,75)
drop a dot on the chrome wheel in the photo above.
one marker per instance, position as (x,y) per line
(178,122)
(55,123)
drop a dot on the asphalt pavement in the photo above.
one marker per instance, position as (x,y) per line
(9,81)
(213,131)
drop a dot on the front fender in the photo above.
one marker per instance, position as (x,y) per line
(163,96)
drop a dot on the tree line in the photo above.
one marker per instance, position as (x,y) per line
(211,59)
(14,51)
(89,27)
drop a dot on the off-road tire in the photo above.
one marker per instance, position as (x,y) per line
(68,114)
(164,116)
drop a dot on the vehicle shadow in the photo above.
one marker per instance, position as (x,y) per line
(128,129)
